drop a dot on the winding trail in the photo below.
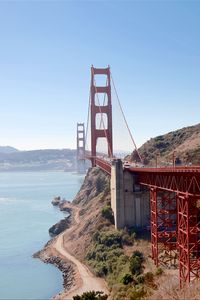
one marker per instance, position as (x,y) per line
(88,281)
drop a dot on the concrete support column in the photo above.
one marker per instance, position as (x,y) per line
(129,202)
(117,193)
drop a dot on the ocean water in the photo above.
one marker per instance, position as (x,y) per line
(26,213)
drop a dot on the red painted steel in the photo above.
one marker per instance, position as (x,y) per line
(175,214)
(80,141)
(188,238)
(174,195)
(163,226)
(154,227)
(101,163)
(184,182)
(104,109)
(104,165)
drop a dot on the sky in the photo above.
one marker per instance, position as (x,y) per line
(48,47)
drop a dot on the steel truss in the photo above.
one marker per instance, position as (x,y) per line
(176,180)
(163,226)
(188,237)
(175,217)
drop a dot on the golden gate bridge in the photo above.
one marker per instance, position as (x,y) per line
(174,191)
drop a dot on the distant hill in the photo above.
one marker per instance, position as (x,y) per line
(7,149)
(36,160)
(185,142)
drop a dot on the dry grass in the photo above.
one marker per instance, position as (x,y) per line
(185,141)
(168,289)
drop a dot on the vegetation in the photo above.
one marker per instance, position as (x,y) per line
(159,271)
(106,255)
(127,278)
(91,296)
(124,274)
(163,147)
(107,213)
(136,261)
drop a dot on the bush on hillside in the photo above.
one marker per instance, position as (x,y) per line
(127,278)
(91,296)
(107,213)
(135,265)
(136,261)
(159,271)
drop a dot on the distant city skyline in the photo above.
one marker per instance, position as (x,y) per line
(48,47)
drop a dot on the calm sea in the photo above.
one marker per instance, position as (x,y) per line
(26,213)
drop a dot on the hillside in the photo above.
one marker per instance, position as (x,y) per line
(121,258)
(37,160)
(185,142)
(7,149)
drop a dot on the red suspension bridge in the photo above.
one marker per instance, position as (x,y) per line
(174,191)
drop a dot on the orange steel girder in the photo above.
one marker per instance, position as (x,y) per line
(186,185)
(188,238)
(163,223)
(187,181)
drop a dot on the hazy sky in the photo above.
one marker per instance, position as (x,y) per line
(47,48)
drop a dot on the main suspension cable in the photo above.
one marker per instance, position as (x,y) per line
(88,117)
(125,119)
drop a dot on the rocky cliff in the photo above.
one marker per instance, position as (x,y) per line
(90,200)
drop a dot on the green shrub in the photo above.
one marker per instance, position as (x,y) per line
(135,265)
(140,278)
(127,278)
(96,236)
(148,277)
(107,213)
(127,239)
(159,271)
(137,293)
(138,254)
(111,238)
(136,261)
(91,296)
(101,270)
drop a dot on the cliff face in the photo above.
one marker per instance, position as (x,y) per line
(90,200)
(185,142)
(96,182)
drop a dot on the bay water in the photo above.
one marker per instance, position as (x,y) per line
(26,213)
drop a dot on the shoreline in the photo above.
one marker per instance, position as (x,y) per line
(49,255)
(69,274)
(77,278)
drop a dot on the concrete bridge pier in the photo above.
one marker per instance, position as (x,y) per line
(129,201)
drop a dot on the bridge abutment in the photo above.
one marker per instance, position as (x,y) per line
(130,203)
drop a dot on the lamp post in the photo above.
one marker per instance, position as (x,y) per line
(157,154)
(174,159)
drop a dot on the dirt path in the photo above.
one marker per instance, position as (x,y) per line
(88,281)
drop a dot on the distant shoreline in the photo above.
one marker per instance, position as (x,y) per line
(35,171)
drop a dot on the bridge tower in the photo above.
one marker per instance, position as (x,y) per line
(101,109)
(80,147)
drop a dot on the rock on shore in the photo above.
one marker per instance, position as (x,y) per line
(56,200)
(60,226)
(65,267)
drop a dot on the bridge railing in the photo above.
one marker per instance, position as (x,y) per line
(166,169)
(101,163)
